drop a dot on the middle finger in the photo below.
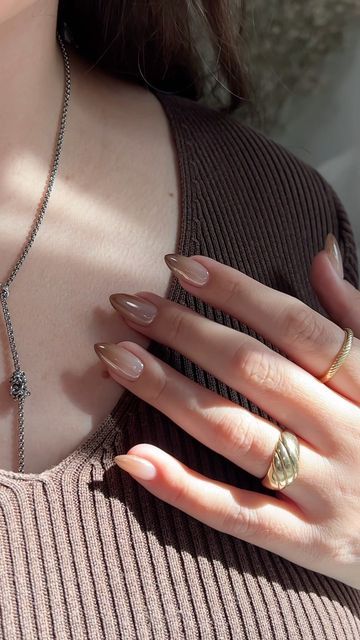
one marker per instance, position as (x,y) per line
(278,386)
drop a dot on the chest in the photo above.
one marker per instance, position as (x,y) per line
(101,234)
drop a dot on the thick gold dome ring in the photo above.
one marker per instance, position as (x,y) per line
(284,467)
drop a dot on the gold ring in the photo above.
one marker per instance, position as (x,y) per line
(284,467)
(340,357)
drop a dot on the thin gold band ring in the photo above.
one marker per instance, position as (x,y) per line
(341,356)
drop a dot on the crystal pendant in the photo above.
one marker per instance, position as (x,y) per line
(4,290)
(18,387)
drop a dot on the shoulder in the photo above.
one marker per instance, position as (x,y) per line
(224,137)
(250,170)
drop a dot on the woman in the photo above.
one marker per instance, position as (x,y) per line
(202,538)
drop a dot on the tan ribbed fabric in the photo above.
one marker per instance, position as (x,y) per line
(87,552)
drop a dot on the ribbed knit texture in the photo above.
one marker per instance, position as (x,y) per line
(87,552)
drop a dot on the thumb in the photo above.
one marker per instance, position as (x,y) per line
(340,298)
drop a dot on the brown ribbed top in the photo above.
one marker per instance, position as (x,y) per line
(85,550)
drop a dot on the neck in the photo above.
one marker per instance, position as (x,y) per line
(32,82)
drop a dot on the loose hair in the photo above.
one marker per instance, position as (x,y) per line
(192,48)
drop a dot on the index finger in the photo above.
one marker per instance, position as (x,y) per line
(308,338)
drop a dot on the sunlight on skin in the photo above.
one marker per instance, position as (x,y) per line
(9,8)
(81,200)
(317,529)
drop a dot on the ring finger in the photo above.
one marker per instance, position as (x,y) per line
(239,435)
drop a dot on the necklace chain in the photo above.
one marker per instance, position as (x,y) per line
(18,381)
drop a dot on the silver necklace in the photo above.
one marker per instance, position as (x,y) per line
(18,381)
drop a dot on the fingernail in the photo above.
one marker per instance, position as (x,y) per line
(122,361)
(134,308)
(333,250)
(187,268)
(136,466)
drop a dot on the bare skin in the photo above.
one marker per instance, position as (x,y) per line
(113,214)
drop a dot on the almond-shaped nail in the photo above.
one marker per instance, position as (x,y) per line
(187,268)
(122,361)
(333,250)
(134,308)
(136,466)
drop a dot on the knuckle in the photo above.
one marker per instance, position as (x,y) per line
(321,544)
(240,522)
(258,366)
(232,292)
(234,437)
(302,325)
(158,389)
(179,325)
(179,490)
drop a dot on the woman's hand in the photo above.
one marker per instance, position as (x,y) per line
(315,521)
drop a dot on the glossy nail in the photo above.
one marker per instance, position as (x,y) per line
(122,361)
(187,268)
(136,466)
(134,308)
(333,250)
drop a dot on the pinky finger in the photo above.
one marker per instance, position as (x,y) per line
(269,522)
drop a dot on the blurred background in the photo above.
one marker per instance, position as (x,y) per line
(304,59)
